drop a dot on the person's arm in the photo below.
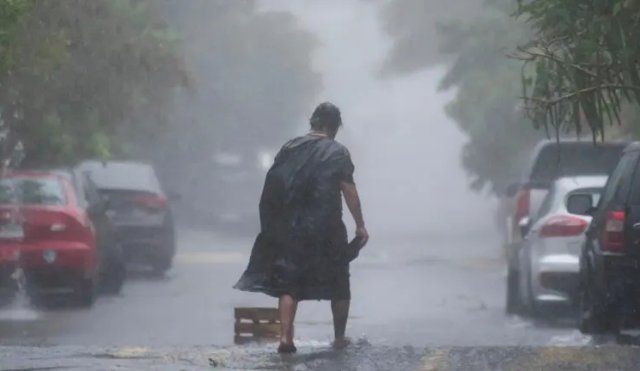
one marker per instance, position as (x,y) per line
(352,199)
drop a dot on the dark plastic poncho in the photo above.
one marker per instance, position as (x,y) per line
(300,250)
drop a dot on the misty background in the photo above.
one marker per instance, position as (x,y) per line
(406,151)
(207,91)
(256,84)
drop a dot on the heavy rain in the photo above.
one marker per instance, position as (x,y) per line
(171,188)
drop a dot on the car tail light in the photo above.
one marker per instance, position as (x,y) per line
(563,226)
(613,238)
(150,201)
(522,204)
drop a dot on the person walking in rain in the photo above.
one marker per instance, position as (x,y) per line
(302,251)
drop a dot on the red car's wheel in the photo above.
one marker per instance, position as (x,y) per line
(86,292)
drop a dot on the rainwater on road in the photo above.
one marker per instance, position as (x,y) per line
(409,292)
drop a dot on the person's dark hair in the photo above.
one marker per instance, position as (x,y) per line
(326,116)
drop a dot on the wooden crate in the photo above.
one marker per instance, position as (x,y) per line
(256,324)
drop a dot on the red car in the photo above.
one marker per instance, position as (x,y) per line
(58,220)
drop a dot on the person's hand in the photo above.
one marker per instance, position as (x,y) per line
(361,233)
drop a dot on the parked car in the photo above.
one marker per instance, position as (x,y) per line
(58,222)
(228,191)
(550,254)
(549,161)
(610,257)
(139,210)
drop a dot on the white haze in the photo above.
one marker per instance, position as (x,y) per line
(406,151)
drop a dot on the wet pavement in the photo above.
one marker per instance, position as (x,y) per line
(419,302)
(359,357)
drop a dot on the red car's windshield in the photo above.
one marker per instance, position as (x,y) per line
(32,191)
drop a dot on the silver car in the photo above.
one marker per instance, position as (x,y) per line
(549,257)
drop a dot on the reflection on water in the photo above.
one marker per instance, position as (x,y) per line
(18,309)
(18,318)
(316,355)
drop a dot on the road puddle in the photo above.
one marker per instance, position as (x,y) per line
(19,308)
(319,355)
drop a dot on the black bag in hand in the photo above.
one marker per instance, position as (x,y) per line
(353,249)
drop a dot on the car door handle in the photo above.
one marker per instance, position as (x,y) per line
(636,226)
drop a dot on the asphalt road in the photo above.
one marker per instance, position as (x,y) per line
(411,292)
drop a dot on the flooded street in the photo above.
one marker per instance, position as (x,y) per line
(410,292)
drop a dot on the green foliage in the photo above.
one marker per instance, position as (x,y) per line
(79,71)
(582,65)
(12,13)
(486,105)
(170,81)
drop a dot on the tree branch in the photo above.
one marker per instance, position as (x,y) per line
(532,55)
(581,92)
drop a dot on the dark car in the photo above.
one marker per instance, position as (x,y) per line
(139,210)
(58,223)
(609,297)
(228,192)
(550,160)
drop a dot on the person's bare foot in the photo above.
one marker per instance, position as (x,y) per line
(287,348)
(341,343)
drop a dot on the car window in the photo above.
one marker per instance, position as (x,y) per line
(572,159)
(596,194)
(32,191)
(123,176)
(614,188)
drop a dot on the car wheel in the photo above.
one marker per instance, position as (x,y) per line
(6,299)
(162,263)
(164,259)
(115,273)
(526,299)
(86,292)
(591,320)
(532,307)
(513,300)
(8,293)
(114,280)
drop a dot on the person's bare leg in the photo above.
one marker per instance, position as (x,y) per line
(287,307)
(340,310)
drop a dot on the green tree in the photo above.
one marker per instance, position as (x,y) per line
(486,106)
(169,81)
(78,72)
(12,13)
(582,63)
